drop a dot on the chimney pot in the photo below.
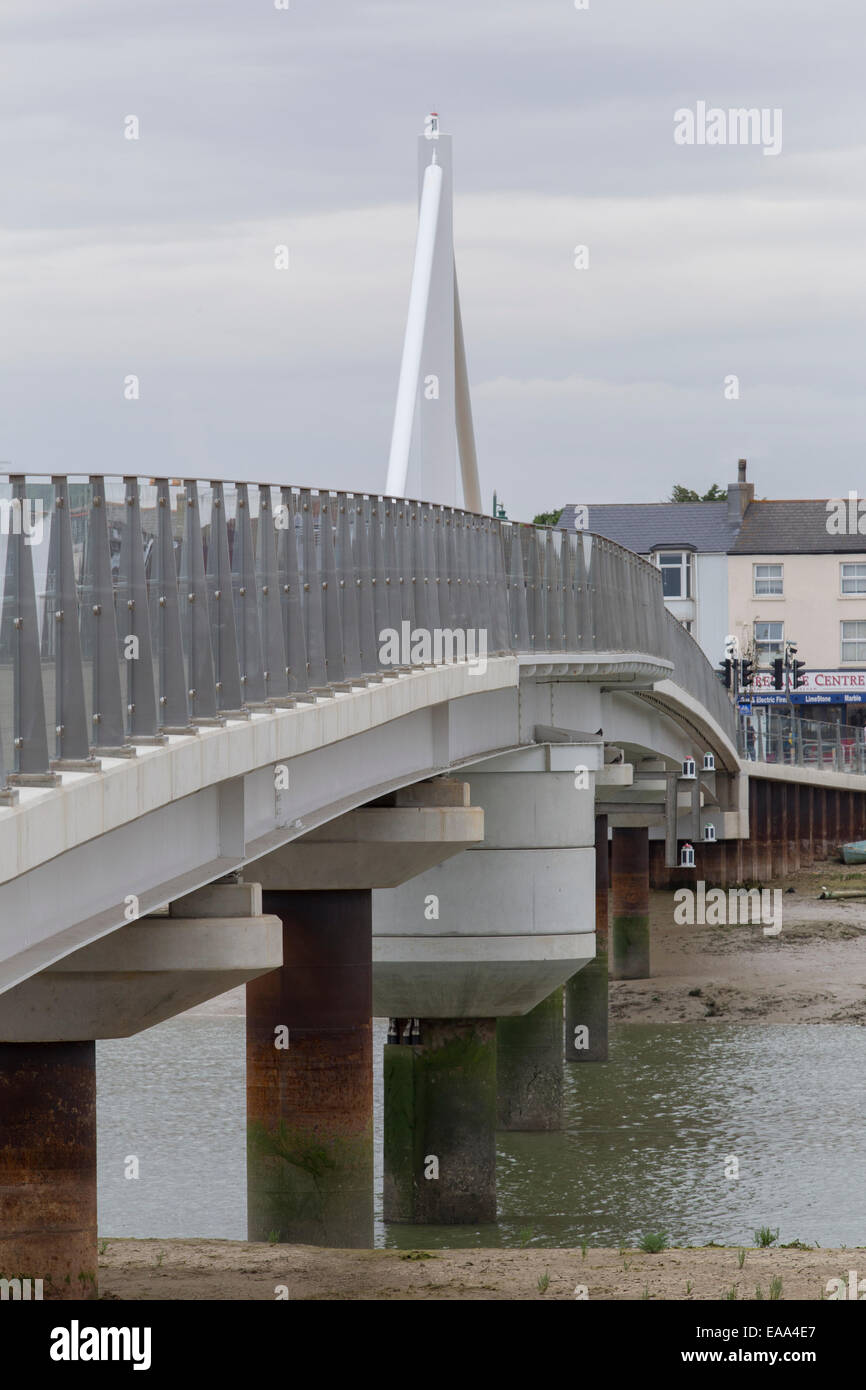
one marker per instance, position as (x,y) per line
(741,471)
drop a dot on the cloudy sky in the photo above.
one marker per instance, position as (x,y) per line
(260,126)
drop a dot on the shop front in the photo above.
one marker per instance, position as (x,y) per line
(816,717)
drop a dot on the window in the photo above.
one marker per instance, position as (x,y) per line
(769,642)
(676,573)
(767,580)
(854,642)
(853,579)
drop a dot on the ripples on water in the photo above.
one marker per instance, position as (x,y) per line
(644,1146)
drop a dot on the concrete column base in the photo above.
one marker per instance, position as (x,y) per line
(48,1167)
(440,1123)
(529,1067)
(586,993)
(586,1013)
(310,1076)
(630,954)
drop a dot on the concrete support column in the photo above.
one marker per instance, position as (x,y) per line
(630,885)
(48,1166)
(586,1003)
(310,1075)
(529,1067)
(440,1123)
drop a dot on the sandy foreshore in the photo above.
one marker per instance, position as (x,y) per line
(813,971)
(224,1269)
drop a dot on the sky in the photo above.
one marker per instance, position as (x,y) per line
(260,126)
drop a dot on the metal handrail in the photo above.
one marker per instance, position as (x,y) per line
(771,737)
(136,608)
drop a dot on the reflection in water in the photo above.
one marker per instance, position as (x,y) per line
(644,1148)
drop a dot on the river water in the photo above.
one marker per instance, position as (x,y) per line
(645,1146)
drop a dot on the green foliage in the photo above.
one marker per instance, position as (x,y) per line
(548,518)
(681,493)
(544,1282)
(654,1242)
(764,1236)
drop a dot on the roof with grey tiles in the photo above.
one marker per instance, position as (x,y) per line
(643,526)
(791,528)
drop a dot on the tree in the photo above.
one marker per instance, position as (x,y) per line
(548,518)
(681,493)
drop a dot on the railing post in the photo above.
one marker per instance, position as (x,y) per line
(554,594)
(535,588)
(246,603)
(334,656)
(348,581)
(404,560)
(518,605)
(165,621)
(21,638)
(73,741)
(292,595)
(195,622)
(568,589)
(100,631)
(364,508)
(224,641)
(394,606)
(275,676)
(501,634)
(134,626)
(420,583)
(428,532)
(314,617)
(380,522)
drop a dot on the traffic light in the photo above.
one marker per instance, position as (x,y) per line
(779,673)
(798,676)
(747,672)
(725,674)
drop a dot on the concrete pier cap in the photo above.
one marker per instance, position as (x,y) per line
(381,844)
(493,931)
(208,942)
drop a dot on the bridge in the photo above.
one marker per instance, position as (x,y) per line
(369,756)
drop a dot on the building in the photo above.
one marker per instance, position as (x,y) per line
(689,541)
(797,573)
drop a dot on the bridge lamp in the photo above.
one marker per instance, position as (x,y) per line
(689,769)
(709,763)
(709,833)
(687,856)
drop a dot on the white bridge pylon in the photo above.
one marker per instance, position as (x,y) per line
(433,416)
